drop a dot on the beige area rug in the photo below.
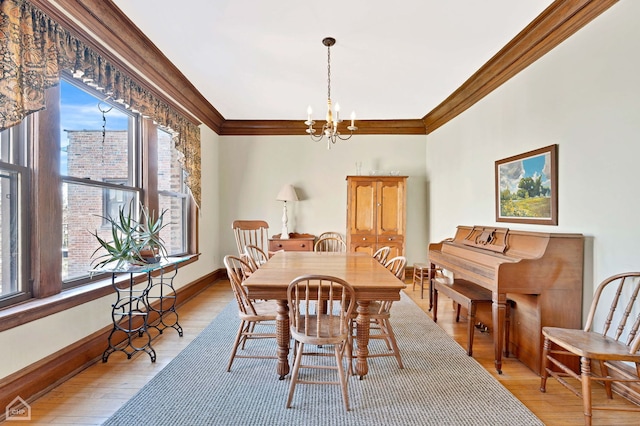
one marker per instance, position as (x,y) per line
(439,385)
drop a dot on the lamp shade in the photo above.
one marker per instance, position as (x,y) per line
(287,193)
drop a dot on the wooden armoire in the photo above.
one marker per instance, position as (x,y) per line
(376,213)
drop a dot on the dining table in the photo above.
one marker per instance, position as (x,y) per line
(370,280)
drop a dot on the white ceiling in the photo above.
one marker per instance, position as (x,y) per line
(264,60)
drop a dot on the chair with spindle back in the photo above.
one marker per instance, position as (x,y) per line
(330,244)
(250,312)
(380,317)
(616,306)
(251,232)
(320,307)
(382,254)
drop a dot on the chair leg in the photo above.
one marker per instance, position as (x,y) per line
(294,373)
(341,374)
(585,367)
(545,364)
(607,383)
(471,326)
(394,343)
(236,343)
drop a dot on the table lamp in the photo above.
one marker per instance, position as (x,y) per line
(287,193)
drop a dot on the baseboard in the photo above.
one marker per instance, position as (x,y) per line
(40,377)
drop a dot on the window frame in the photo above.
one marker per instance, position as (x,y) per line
(43,218)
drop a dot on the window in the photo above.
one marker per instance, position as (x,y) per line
(172,195)
(100,172)
(56,191)
(14,278)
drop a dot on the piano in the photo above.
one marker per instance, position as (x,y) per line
(540,272)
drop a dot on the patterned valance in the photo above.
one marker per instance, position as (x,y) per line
(34,50)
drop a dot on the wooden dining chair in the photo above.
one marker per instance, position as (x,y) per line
(382,254)
(320,308)
(256,256)
(380,319)
(251,312)
(397,266)
(606,351)
(330,244)
(331,234)
(251,232)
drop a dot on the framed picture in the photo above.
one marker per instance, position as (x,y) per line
(527,187)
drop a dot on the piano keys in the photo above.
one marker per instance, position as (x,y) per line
(540,271)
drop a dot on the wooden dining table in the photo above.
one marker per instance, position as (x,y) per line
(370,280)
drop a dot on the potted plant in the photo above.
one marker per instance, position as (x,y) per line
(134,241)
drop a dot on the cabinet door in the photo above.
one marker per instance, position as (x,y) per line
(362,211)
(390,209)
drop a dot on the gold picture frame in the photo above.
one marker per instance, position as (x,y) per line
(527,187)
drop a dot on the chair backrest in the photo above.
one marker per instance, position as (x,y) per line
(237,271)
(396,266)
(333,244)
(320,306)
(616,305)
(331,234)
(256,255)
(381,254)
(251,232)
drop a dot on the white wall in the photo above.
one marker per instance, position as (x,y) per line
(30,342)
(584,96)
(253,170)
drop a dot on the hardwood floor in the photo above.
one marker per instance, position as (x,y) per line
(91,396)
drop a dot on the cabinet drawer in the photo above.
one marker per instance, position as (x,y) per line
(293,244)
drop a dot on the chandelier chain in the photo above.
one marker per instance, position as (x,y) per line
(328,72)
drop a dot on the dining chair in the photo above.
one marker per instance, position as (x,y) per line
(382,254)
(612,349)
(396,266)
(331,234)
(330,244)
(256,256)
(320,308)
(251,312)
(380,319)
(251,232)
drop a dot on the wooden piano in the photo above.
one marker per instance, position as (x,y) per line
(540,271)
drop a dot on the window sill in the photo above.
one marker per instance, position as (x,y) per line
(34,309)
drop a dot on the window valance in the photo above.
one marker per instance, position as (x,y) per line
(34,50)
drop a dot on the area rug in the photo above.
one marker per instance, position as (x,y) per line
(439,385)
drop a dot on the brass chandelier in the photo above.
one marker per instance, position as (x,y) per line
(330,128)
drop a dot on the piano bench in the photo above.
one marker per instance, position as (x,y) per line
(466,293)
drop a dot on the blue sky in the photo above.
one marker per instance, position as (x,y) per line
(511,173)
(79,111)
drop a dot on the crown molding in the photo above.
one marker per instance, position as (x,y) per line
(297,127)
(554,25)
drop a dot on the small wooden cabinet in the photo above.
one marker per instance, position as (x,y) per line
(295,242)
(376,213)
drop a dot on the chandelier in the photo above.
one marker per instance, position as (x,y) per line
(330,128)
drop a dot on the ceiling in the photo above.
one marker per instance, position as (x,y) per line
(264,60)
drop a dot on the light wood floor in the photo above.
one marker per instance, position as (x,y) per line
(90,397)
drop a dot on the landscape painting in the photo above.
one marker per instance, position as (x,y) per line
(526,188)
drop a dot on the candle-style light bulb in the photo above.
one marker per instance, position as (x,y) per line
(353,117)
(309,111)
(337,112)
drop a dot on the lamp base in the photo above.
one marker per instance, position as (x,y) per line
(285,230)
